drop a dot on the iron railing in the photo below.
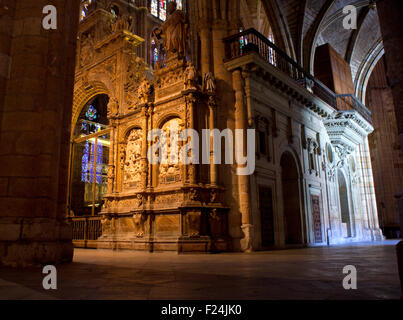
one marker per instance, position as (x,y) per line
(251,40)
(86,228)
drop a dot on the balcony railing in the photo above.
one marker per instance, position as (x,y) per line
(346,102)
(251,40)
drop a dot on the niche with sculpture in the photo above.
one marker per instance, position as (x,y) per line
(132,167)
(170,169)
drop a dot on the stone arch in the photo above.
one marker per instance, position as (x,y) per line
(365,70)
(96,83)
(292,204)
(167,117)
(345,202)
(127,131)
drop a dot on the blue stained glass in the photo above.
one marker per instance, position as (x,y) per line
(84,163)
(87,165)
(155,54)
(84,126)
(99,164)
(91,113)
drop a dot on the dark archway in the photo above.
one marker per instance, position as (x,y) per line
(291,200)
(89,158)
(344,204)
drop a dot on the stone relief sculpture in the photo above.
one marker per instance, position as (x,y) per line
(174,31)
(132,165)
(144,91)
(170,172)
(87,49)
(113,107)
(138,220)
(111,178)
(137,74)
(106,224)
(123,23)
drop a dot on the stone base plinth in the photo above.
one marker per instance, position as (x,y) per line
(28,242)
(203,244)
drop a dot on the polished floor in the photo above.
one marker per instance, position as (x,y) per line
(311,273)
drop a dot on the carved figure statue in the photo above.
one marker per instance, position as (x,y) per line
(144,91)
(190,76)
(209,83)
(174,31)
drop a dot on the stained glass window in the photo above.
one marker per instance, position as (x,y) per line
(243,41)
(115,11)
(155,55)
(154,8)
(88,162)
(91,113)
(159,8)
(272,57)
(84,9)
(163,10)
(84,162)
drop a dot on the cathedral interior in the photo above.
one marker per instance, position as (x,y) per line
(79,103)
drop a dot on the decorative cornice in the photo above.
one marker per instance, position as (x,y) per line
(346,131)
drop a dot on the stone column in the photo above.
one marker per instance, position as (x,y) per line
(391,20)
(243,181)
(205,41)
(111,164)
(212,125)
(144,147)
(190,101)
(35,131)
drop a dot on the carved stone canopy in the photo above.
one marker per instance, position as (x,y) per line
(346,131)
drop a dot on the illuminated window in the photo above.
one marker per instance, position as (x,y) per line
(91,113)
(272,56)
(88,162)
(159,8)
(154,8)
(155,54)
(163,10)
(115,11)
(243,41)
(84,9)
(90,158)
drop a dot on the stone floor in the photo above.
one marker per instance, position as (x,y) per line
(312,273)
